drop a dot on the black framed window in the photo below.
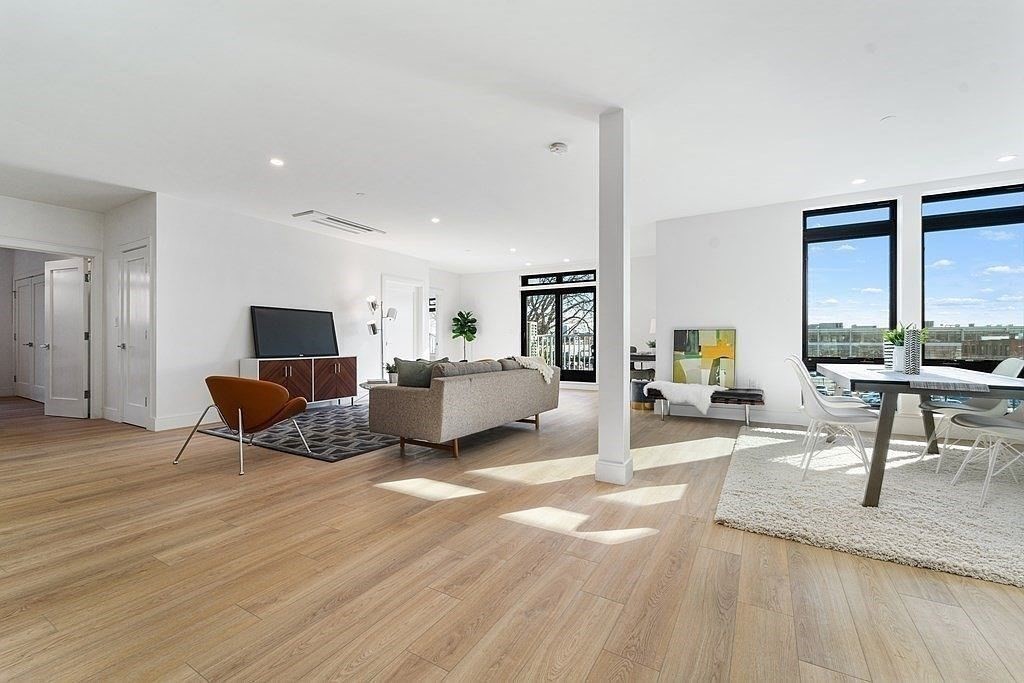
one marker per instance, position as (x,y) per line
(567,277)
(849,296)
(973,276)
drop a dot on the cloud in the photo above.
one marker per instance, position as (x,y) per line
(986,290)
(1002,270)
(829,302)
(846,247)
(998,235)
(1010,297)
(942,263)
(871,290)
(957,301)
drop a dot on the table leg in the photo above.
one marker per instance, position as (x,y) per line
(881,449)
(929,431)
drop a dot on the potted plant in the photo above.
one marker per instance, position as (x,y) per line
(893,351)
(464,327)
(392,371)
(652,344)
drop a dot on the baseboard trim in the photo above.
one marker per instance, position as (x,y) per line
(112,414)
(7,391)
(182,420)
(620,473)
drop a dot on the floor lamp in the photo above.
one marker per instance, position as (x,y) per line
(376,326)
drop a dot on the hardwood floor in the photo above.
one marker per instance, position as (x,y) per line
(504,564)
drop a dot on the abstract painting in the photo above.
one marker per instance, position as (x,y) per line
(704,356)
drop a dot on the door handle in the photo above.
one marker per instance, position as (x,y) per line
(28,344)
(122,346)
(44,346)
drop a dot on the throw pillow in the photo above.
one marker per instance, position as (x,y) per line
(415,373)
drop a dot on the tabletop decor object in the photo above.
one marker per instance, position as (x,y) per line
(912,351)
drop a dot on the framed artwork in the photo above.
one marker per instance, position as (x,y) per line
(704,356)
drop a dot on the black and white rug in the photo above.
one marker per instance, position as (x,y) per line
(334,433)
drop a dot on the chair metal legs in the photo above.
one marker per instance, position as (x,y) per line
(301,436)
(241,445)
(191,434)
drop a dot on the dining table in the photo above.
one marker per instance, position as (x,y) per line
(933,381)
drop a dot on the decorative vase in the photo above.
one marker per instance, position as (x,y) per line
(898,358)
(393,377)
(887,348)
(912,351)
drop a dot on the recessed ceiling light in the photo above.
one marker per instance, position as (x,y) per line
(435,220)
(512,250)
(360,195)
(565,260)
(1006,157)
(527,264)
(277,162)
(858,181)
(558,148)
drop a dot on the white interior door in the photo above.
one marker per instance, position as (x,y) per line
(67,321)
(25,339)
(135,336)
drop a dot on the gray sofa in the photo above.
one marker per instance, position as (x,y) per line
(463,398)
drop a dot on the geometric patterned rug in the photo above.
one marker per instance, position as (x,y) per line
(334,433)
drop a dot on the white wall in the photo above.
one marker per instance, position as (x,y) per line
(6,323)
(29,263)
(744,269)
(213,264)
(127,225)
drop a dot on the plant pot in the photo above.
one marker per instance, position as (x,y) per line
(393,377)
(887,355)
(898,354)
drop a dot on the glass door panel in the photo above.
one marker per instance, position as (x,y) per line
(560,326)
(539,326)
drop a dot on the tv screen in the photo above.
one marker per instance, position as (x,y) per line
(286,332)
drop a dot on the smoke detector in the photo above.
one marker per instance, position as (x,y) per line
(558,148)
(342,224)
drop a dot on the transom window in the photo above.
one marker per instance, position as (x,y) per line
(568,277)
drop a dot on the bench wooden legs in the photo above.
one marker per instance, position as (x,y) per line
(452,447)
(535,421)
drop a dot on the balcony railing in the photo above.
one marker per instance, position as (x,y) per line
(577,350)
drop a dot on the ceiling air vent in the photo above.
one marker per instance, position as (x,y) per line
(337,223)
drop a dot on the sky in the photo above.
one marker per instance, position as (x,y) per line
(971,276)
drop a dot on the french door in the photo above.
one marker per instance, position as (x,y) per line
(560,325)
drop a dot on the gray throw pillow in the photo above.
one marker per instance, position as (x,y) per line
(415,373)
(509,364)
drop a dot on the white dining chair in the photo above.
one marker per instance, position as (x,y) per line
(836,401)
(944,411)
(831,418)
(997,437)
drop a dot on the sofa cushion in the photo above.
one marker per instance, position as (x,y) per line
(415,373)
(457,369)
(510,364)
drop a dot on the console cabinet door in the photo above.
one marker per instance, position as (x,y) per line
(294,375)
(335,377)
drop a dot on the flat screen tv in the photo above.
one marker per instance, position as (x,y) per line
(290,332)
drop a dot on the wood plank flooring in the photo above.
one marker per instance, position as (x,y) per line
(116,565)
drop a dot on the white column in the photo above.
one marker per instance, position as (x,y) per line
(614,461)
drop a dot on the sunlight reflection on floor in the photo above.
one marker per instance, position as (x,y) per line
(567,522)
(429,489)
(561,469)
(646,495)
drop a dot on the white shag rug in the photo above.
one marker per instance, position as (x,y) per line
(921,520)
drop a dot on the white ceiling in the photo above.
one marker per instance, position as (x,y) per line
(74,193)
(446,108)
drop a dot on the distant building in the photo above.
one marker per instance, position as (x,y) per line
(945,342)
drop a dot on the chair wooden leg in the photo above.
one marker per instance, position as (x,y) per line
(241,445)
(455,448)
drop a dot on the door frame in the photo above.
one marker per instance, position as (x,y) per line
(584,376)
(419,323)
(95,258)
(122,304)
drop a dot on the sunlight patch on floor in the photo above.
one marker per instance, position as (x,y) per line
(562,469)
(429,489)
(567,522)
(646,495)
